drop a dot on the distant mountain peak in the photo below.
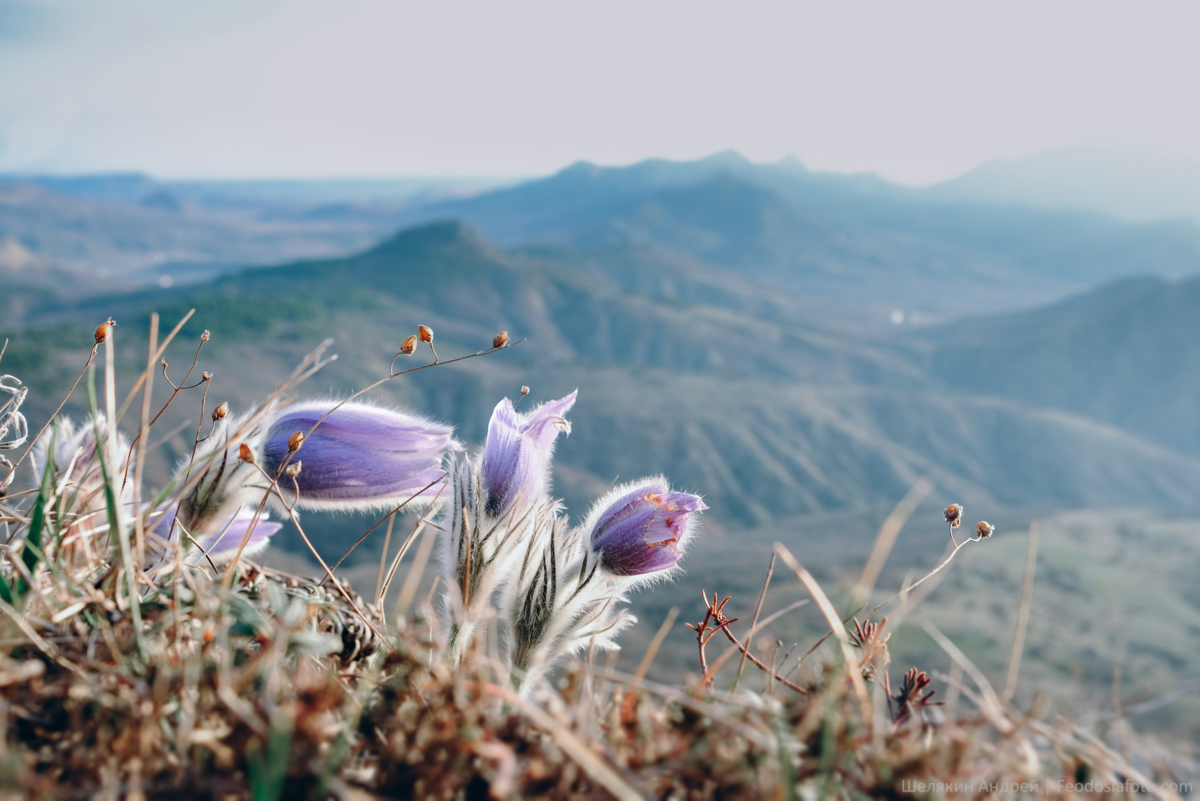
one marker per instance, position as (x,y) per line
(442,235)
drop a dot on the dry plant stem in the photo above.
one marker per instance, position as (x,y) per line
(924,578)
(155,354)
(770,671)
(329,573)
(991,704)
(388,378)
(191,462)
(132,576)
(656,643)
(762,624)
(466,588)
(886,538)
(835,625)
(389,516)
(50,419)
(140,468)
(387,546)
(416,532)
(705,632)
(1014,659)
(754,621)
(144,376)
(412,581)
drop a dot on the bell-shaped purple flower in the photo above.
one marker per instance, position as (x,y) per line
(220,539)
(642,527)
(359,457)
(516,456)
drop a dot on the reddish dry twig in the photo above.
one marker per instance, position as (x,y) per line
(705,631)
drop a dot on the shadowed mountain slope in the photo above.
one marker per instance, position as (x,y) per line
(767,414)
(851,239)
(1126,354)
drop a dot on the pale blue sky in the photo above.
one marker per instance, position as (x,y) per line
(917,91)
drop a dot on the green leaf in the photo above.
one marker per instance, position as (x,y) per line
(37,521)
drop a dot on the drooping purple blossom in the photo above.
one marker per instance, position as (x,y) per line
(640,528)
(220,538)
(516,456)
(359,456)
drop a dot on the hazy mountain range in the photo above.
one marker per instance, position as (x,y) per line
(731,322)
(727,324)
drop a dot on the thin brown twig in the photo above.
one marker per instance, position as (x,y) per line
(387,546)
(418,527)
(178,389)
(389,516)
(389,377)
(762,594)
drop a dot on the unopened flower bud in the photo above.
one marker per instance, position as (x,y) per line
(425,332)
(205,336)
(409,346)
(954,515)
(517,453)
(295,441)
(641,528)
(104,329)
(500,340)
(220,412)
(293,469)
(245,454)
(984,530)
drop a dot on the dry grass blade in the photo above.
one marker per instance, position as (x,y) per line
(886,538)
(835,625)
(412,582)
(1014,659)
(762,594)
(656,643)
(991,704)
(387,547)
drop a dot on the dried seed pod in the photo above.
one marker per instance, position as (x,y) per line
(524,391)
(205,336)
(425,332)
(104,329)
(293,469)
(409,346)
(500,340)
(245,454)
(295,441)
(984,529)
(206,376)
(954,514)
(220,412)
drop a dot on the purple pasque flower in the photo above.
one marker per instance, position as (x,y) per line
(642,527)
(359,457)
(516,456)
(220,538)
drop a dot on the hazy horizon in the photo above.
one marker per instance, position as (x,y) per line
(267,89)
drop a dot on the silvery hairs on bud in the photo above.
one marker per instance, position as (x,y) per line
(563,603)
(483,553)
